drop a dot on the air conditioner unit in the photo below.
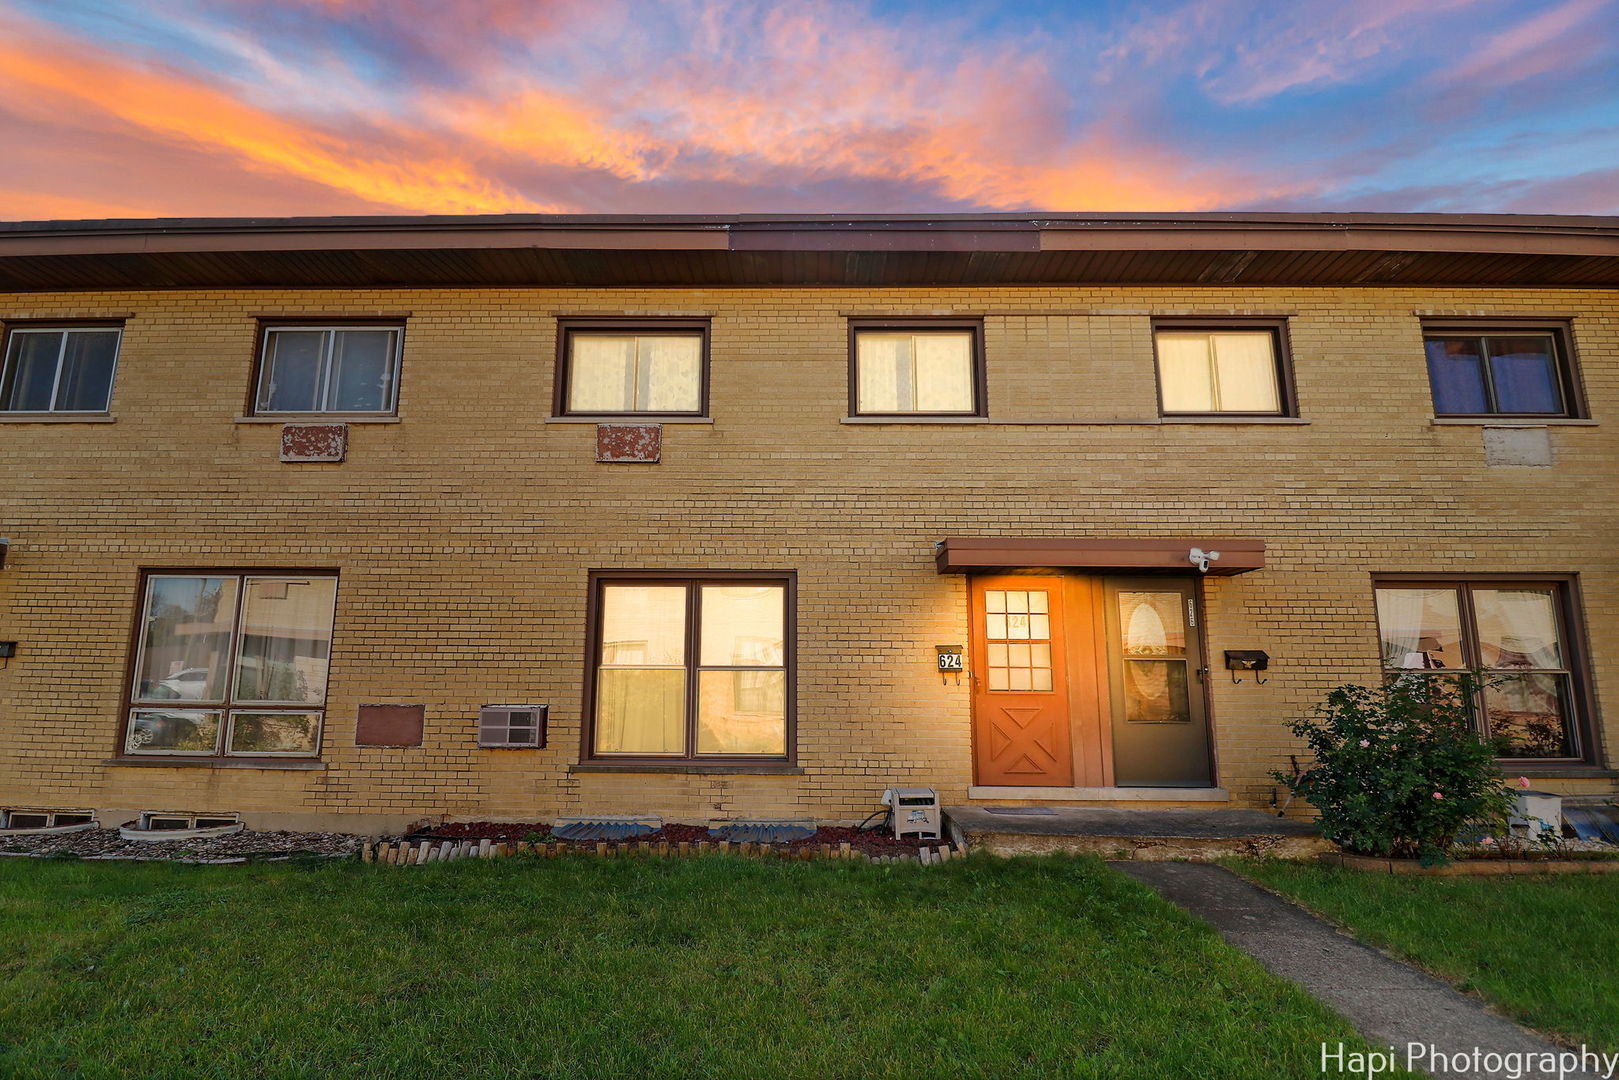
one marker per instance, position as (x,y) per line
(512,727)
(916,812)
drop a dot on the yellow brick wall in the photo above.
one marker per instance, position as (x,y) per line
(463,534)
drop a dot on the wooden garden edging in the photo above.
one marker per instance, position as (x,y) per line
(420,852)
(1470,867)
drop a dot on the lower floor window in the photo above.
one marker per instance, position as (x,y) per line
(231,665)
(691,667)
(1517,633)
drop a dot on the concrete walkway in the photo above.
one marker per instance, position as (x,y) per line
(1390,1002)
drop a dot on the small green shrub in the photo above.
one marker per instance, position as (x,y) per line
(1399,770)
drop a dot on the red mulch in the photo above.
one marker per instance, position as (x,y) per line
(869,841)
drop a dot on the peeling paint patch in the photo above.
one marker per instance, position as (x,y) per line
(629,443)
(314,442)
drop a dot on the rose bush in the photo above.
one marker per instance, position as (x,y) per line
(1398,769)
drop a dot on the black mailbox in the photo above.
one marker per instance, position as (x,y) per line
(1247,660)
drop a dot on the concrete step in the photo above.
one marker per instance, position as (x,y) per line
(1150,835)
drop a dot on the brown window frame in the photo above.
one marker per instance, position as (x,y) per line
(921,325)
(1569,381)
(1287,398)
(699,326)
(693,581)
(1571,627)
(261,342)
(132,702)
(10,326)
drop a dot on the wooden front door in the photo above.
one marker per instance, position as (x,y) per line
(1018,667)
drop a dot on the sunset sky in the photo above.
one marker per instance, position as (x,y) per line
(139,108)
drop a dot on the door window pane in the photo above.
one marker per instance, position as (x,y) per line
(1517,627)
(743,625)
(915,372)
(186,639)
(1018,629)
(1152,623)
(641,711)
(286,641)
(625,373)
(1524,370)
(275,733)
(1155,692)
(1421,628)
(1227,371)
(172,731)
(1529,717)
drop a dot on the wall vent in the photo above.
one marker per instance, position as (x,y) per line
(512,726)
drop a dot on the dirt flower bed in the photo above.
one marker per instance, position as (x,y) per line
(107,844)
(867,841)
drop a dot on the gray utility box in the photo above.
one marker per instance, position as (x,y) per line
(916,812)
(1536,812)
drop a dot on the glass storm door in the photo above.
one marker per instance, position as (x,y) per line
(1160,737)
(1021,734)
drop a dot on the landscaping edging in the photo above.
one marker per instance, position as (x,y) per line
(421,852)
(1469,867)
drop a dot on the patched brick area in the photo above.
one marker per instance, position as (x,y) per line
(463,534)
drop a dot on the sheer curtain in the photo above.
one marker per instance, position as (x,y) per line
(601,373)
(670,374)
(944,372)
(1245,373)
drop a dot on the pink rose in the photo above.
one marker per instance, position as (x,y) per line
(1523,781)
(1438,795)
(1364,744)
(1488,840)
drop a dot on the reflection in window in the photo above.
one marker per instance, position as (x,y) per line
(653,697)
(273,633)
(1152,638)
(59,370)
(1510,632)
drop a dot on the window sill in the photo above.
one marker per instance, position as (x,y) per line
(1214,418)
(217,763)
(1509,421)
(629,418)
(315,418)
(918,419)
(57,418)
(723,768)
(1558,772)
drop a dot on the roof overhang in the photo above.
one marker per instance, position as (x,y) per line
(1151,555)
(814,249)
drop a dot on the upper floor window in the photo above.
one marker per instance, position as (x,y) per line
(633,366)
(691,668)
(231,665)
(1500,370)
(329,369)
(1236,367)
(1519,633)
(926,368)
(59,369)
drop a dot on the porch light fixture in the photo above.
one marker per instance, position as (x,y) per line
(1201,559)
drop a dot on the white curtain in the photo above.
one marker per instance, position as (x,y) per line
(1420,628)
(1232,372)
(601,373)
(944,372)
(670,373)
(883,367)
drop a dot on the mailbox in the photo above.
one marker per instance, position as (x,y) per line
(952,659)
(1247,660)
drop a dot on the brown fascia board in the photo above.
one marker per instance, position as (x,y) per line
(1027,232)
(960,555)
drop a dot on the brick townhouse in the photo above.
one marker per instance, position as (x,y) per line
(351,522)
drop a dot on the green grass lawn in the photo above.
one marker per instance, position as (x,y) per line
(584,967)
(1544,948)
